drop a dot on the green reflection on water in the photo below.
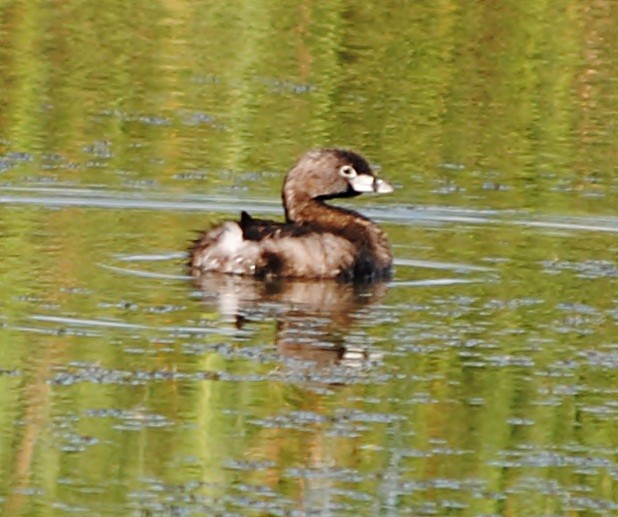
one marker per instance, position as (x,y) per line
(490,397)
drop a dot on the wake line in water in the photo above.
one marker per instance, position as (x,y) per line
(145,274)
(99,323)
(432,283)
(90,198)
(132,203)
(463,268)
(432,264)
(402,262)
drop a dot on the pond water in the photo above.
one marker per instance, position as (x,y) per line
(482,380)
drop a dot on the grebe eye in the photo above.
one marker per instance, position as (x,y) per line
(347,171)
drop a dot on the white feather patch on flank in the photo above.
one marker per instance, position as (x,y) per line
(231,238)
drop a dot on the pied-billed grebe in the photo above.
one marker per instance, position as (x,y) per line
(317,240)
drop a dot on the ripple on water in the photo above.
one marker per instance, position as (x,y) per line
(130,420)
(589,269)
(82,372)
(350,423)
(238,497)
(536,457)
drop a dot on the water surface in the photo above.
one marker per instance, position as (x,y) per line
(481,381)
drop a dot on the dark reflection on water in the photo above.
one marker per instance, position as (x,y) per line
(312,318)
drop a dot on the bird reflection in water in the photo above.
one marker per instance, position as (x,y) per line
(313,318)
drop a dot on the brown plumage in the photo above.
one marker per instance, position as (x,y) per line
(316,240)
